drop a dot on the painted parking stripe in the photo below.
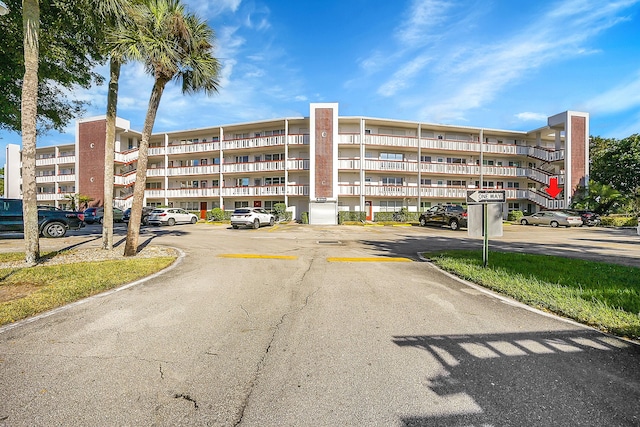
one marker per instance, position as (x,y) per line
(258,256)
(369,259)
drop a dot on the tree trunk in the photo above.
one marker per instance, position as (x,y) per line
(31,27)
(109,147)
(133,232)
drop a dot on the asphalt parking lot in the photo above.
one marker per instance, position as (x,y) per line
(615,245)
(281,326)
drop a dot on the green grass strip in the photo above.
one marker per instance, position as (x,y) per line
(606,296)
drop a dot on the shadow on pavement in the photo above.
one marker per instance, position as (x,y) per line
(537,378)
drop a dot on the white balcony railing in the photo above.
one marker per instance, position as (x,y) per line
(192,170)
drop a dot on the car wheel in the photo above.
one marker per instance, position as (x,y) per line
(235,227)
(454,224)
(55,230)
(194,220)
(423,222)
(256,223)
(171,222)
(524,222)
(554,224)
(272,221)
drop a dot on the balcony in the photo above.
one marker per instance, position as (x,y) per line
(186,147)
(266,166)
(126,157)
(191,170)
(256,142)
(263,191)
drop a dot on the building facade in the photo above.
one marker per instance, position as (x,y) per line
(320,164)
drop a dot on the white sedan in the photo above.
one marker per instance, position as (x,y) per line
(251,217)
(171,216)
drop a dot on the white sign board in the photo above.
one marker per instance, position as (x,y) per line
(475,220)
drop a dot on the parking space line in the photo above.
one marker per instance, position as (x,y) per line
(368,259)
(258,256)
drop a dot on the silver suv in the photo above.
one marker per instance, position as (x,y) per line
(251,217)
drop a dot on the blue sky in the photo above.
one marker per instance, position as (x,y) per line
(497,64)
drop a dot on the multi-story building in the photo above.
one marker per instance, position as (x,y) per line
(319,164)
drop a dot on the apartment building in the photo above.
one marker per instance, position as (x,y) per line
(320,164)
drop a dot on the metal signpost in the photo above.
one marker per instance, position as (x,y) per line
(485,216)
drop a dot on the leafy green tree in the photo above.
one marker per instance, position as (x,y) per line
(68,52)
(173,45)
(599,198)
(618,164)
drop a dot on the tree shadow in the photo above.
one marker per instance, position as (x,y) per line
(537,378)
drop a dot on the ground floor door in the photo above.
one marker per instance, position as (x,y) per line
(203,210)
(368,207)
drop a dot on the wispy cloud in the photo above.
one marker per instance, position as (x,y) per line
(531,117)
(622,97)
(472,74)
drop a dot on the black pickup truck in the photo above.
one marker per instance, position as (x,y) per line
(51,222)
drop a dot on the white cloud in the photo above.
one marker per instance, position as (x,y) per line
(403,77)
(531,117)
(620,98)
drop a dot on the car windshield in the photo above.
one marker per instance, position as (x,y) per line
(241,211)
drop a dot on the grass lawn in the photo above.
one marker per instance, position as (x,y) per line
(605,296)
(27,291)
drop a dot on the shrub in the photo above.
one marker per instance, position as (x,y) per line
(280,211)
(515,215)
(305,217)
(344,216)
(619,221)
(216,214)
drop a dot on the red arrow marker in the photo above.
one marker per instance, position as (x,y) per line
(553,190)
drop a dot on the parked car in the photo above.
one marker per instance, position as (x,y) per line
(455,216)
(146,210)
(92,215)
(589,218)
(51,222)
(552,218)
(171,216)
(251,217)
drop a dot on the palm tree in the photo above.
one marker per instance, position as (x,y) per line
(29,107)
(173,45)
(113,13)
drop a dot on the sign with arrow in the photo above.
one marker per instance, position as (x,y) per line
(553,190)
(486,196)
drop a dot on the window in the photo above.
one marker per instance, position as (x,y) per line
(216,160)
(270,204)
(391,156)
(242,159)
(390,180)
(153,185)
(215,183)
(516,164)
(390,205)
(514,206)
(203,162)
(424,206)
(513,185)
(456,160)
(242,182)
(203,184)
(242,204)
(425,159)
(425,181)
(456,183)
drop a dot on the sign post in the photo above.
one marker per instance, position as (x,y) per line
(485,216)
